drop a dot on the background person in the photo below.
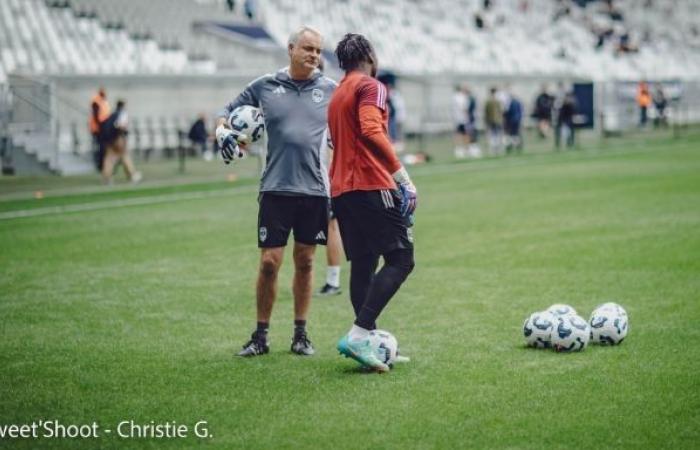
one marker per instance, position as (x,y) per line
(660,104)
(493,116)
(644,101)
(113,134)
(459,119)
(543,112)
(565,121)
(99,112)
(199,136)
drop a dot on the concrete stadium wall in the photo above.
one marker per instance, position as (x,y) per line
(181,98)
(428,100)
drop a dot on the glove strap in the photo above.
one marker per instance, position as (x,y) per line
(401,177)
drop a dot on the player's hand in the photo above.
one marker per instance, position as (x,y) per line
(409,198)
(228,143)
(409,194)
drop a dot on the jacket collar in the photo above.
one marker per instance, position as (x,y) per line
(282,76)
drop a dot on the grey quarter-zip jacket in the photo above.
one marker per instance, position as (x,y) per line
(296,118)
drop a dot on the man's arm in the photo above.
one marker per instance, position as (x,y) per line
(227,138)
(96,112)
(247,97)
(371,127)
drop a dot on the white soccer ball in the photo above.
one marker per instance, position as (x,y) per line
(608,326)
(537,329)
(560,309)
(385,345)
(248,122)
(571,334)
(611,306)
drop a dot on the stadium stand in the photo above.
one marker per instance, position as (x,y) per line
(173,59)
(51,37)
(524,37)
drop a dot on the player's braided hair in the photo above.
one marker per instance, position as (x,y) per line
(353,50)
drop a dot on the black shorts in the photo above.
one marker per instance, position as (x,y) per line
(371,222)
(331,214)
(280,214)
(461,129)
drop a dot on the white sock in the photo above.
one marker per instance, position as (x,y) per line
(333,276)
(358,333)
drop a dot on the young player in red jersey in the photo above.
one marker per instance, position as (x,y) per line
(373,196)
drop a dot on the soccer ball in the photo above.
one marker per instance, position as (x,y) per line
(248,122)
(385,345)
(608,326)
(560,309)
(537,329)
(611,306)
(571,334)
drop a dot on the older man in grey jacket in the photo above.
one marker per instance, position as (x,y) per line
(294,186)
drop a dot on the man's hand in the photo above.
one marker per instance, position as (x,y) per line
(409,194)
(228,143)
(409,198)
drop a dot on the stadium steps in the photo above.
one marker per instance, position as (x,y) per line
(23,162)
(35,153)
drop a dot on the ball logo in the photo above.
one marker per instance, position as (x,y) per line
(262,234)
(317,95)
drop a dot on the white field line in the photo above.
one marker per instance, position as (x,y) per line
(140,201)
(447,168)
(100,189)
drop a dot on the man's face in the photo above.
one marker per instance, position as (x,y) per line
(306,53)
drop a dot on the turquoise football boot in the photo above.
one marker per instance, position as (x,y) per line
(361,351)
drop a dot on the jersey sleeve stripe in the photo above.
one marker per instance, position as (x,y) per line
(381,94)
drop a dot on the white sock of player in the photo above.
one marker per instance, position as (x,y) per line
(358,333)
(333,276)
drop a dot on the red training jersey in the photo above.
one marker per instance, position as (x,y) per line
(363,157)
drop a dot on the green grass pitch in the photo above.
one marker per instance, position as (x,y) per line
(134,312)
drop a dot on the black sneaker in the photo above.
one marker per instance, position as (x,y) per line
(257,345)
(327,290)
(301,345)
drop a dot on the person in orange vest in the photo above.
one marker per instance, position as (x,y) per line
(644,101)
(99,112)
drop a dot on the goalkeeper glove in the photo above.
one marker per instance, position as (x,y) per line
(409,194)
(228,143)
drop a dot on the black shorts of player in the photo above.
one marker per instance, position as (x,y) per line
(371,223)
(461,129)
(331,214)
(279,214)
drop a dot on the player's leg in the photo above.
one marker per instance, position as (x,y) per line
(110,158)
(265,295)
(301,287)
(398,264)
(303,279)
(360,216)
(129,168)
(334,252)
(362,270)
(310,228)
(273,233)
(266,286)
(460,141)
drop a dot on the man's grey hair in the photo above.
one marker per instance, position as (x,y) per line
(294,37)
